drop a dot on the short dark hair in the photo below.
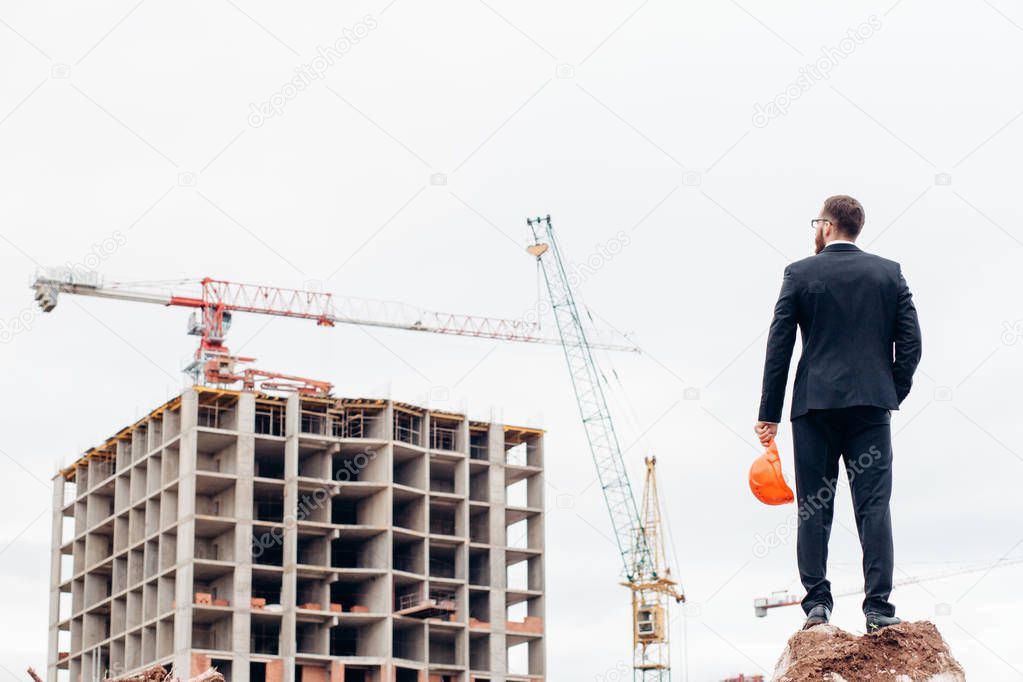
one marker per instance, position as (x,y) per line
(847,213)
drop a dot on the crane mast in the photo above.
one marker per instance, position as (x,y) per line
(638,538)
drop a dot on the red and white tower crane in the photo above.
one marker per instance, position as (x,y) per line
(214,301)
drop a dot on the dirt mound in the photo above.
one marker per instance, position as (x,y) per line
(908,652)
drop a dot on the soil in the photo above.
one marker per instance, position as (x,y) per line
(907,652)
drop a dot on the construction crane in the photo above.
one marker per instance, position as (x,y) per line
(214,302)
(785,598)
(638,537)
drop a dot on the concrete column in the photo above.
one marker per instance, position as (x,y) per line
(498,540)
(289,585)
(241,600)
(537,572)
(185,568)
(387,515)
(56,533)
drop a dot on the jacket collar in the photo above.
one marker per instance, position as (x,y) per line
(830,248)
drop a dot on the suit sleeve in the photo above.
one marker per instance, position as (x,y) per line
(907,341)
(779,350)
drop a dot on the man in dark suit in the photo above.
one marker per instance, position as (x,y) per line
(861,346)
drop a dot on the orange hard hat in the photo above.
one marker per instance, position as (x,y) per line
(765,479)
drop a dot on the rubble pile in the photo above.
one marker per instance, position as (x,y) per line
(908,652)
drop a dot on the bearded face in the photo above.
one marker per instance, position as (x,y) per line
(818,239)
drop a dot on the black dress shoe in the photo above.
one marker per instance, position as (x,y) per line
(818,615)
(875,621)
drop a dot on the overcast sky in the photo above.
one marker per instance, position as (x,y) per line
(154,140)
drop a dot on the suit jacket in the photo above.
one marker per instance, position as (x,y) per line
(861,337)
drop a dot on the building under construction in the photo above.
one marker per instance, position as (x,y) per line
(301,539)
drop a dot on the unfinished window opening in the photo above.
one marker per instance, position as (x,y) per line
(214,635)
(269,418)
(479,524)
(208,416)
(307,638)
(257,671)
(213,589)
(409,641)
(479,567)
(311,593)
(353,465)
(313,418)
(479,486)
(443,561)
(406,674)
(267,547)
(517,494)
(518,534)
(358,506)
(518,658)
(344,512)
(479,653)
(410,471)
(409,512)
(517,576)
(517,612)
(522,447)
(266,465)
(312,551)
(265,637)
(313,462)
(442,477)
(357,674)
(356,640)
(516,455)
(408,427)
(357,596)
(358,552)
(214,497)
(479,607)
(223,666)
(443,518)
(353,419)
(266,589)
(478,443)
(408,555)
(344,641)
(267,506)
(443,648)
(313,507)
(443,433)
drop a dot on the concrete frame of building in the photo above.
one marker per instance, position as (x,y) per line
(297,539)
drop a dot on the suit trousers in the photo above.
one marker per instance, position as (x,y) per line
(861,437)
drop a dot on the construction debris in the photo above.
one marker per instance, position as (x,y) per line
(908,652)
(156,673)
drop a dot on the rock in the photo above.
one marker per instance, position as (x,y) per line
(908,652)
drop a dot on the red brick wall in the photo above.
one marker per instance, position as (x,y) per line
(275,670)
(313,673)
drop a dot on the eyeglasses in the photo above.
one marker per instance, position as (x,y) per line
(817,222)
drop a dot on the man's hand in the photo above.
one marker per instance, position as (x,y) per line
(765,431)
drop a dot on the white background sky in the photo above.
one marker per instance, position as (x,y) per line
(109,111)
